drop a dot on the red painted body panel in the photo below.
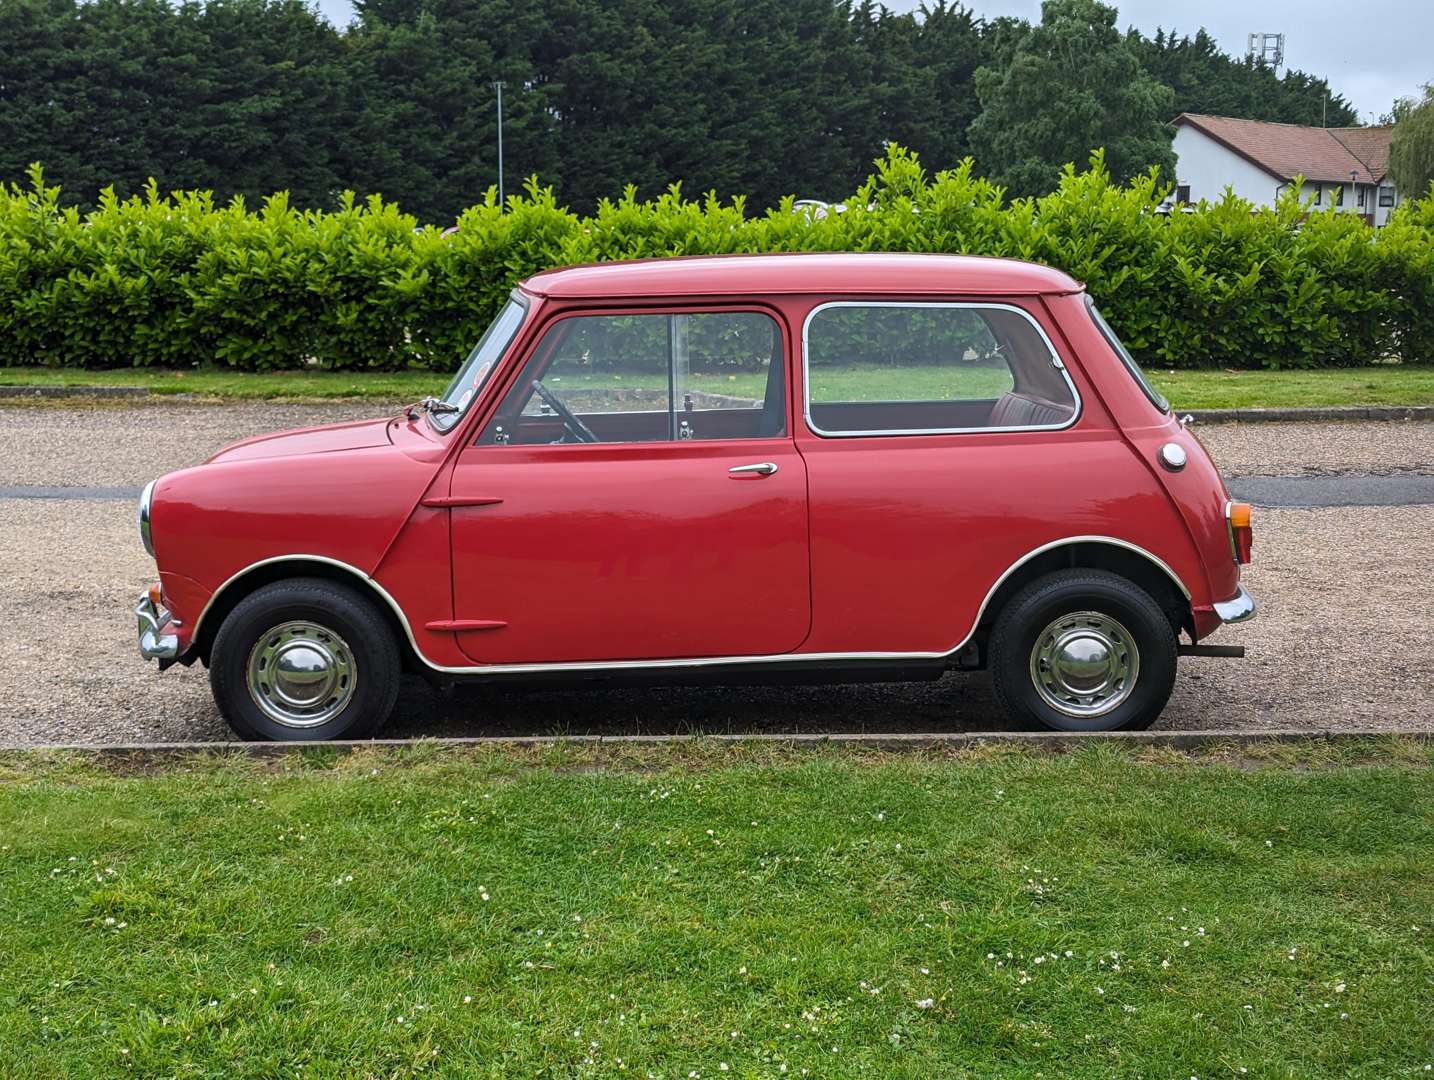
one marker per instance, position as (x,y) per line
(215,520)
(814,274)
(640,552)
(327,438)
(631,552)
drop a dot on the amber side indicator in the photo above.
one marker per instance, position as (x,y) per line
(1242,536)
(155,594)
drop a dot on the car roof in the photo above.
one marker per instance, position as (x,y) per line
(849,273)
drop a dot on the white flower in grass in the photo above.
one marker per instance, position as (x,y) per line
(926,1003)
(1339,988)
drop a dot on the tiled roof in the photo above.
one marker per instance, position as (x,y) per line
(1369,144)
(1289,150)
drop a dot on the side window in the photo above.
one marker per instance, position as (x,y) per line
(647,378)
(921,368)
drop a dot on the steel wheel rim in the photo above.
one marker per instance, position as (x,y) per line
(301,674)
(1084,664)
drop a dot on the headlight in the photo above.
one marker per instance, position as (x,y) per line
(144,536)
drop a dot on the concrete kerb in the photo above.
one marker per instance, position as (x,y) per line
(16,390)
(1331,412)
(1049,741)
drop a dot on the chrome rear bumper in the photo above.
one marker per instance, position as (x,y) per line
(154,643)
(1238,608)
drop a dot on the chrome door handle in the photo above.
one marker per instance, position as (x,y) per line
(761,468)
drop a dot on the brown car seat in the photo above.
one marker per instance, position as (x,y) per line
(1025,410)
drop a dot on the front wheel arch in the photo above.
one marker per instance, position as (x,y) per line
(248,581)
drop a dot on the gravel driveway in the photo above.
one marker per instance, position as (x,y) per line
(1346,606)
(99,445)
(1346,614)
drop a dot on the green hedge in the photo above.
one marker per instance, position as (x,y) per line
(175,281)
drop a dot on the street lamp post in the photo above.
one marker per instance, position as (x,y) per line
(498,85)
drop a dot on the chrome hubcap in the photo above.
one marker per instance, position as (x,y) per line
(1084,664)
(301,674)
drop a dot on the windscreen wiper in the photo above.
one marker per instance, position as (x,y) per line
(431,405)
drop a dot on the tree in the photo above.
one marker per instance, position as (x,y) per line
(238,96)
(1411,155)
(1073,84)
(1208,80)
(921,68)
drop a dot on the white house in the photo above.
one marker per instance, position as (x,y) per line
(1342,168)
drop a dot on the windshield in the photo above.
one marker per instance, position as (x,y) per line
(476,370)
(1156,397)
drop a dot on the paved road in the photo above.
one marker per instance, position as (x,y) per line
(1340,489)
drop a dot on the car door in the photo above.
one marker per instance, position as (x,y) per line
(636,496)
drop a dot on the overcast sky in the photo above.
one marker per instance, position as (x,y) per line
(1372,51)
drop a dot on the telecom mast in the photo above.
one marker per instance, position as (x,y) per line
(1268,49)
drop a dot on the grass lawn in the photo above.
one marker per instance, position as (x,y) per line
(1383,385)
(702,910)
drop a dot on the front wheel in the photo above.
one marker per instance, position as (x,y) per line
(305,659)
(1083,650)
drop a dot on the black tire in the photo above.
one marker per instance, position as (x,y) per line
(1042,603)
(335,617)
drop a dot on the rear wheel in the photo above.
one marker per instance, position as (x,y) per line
(305,659)
(1083,650)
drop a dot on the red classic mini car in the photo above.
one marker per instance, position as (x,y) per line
(823,467)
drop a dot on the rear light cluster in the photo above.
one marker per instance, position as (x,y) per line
(1242,537)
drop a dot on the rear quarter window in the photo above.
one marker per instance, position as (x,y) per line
(914,368)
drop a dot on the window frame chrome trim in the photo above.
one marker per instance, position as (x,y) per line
(515,296)
(1127,361)
(687,662)
(656,307)
(1056,361)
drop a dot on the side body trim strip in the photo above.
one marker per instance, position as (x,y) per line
(690,662)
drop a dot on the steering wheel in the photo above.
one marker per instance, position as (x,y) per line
(575,427)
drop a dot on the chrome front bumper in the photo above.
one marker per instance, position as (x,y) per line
(1240,608)
(154,643)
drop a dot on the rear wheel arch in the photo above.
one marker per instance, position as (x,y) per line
(1092,553)
(250,580)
